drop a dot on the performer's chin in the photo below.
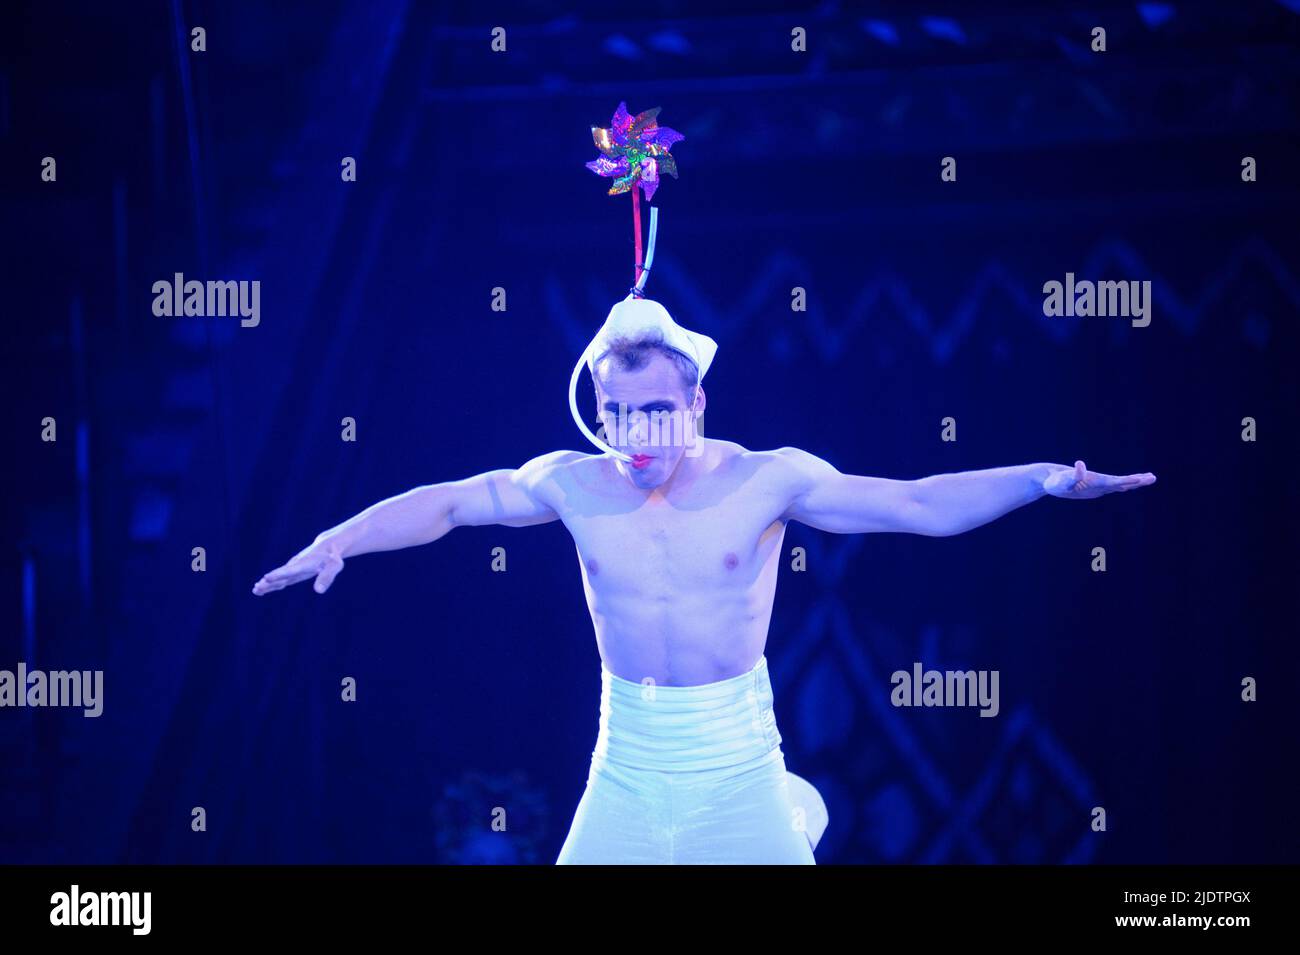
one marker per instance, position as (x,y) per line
(645,472)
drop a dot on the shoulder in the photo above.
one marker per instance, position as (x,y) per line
(793,463)
(787,470)
(553,464)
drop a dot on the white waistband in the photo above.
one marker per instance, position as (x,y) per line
(728,723)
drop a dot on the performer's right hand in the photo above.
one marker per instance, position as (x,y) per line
(321,560)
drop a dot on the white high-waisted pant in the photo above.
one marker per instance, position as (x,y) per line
(694,775)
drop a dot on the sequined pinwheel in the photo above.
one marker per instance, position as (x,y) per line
(634,150)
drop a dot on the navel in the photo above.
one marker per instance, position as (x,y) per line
(593,567)
(731,561)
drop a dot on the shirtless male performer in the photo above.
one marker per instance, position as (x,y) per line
(679,542)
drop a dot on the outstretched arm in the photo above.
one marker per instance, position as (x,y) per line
(938,506)
(421,516)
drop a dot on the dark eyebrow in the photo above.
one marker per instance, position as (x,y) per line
(664,403)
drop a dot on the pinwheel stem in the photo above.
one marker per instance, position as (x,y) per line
(636,227)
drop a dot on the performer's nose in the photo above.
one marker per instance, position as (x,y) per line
(638,432)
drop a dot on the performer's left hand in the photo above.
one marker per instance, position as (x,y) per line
(1078,483)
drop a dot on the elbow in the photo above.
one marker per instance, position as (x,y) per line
(918,513)
(925,519)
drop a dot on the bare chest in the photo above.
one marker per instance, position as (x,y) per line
(676,548)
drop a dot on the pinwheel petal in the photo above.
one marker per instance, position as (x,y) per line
(622,122)
(662,136)
(624,183)
(649,177)
(603,141)
(608,167)
(644,120)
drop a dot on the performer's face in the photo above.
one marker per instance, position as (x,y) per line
(656,423)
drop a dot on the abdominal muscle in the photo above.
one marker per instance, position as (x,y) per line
(683,623)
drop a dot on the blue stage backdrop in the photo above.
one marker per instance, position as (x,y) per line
(136,438)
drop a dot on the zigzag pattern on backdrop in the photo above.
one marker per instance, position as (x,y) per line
(829,337)
(919,813)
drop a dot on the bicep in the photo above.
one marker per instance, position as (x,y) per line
(827,499)
(506,496)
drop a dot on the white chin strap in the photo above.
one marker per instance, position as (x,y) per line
(577,418)
(577,369)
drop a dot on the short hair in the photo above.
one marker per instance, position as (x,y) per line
(632,354)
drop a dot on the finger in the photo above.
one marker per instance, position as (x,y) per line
(284,570)
(1080,472)
(327,575)
(1130,481)
(266,584)
(299,568)
(283,577)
